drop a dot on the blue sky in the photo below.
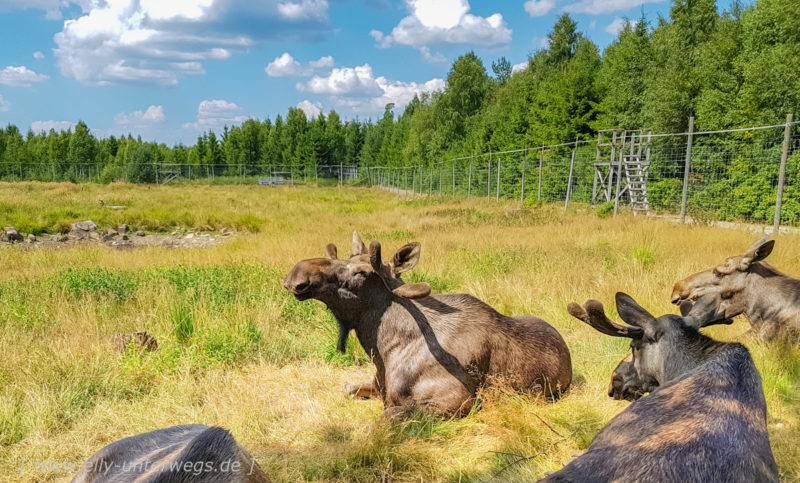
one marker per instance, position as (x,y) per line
(169,70)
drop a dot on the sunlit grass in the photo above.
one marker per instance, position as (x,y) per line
(237,351)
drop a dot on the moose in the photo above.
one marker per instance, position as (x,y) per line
(705,418)
(745,284)
(192,452)
(432,352)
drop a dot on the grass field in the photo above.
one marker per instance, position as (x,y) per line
(236,350)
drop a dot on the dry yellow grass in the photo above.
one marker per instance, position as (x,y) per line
(262,364)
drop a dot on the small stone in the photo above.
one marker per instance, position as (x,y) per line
(122,229)
(11,234)
(63,238)
(139,233)
(189,236)
(31,238)
(125,237)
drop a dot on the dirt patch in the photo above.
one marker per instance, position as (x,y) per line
(129,242)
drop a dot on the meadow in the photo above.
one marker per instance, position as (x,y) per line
(237,350)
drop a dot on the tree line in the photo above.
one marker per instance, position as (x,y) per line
(730,69)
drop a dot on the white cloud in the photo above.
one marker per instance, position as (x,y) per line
(312,109)
(537,8)
(616,26)
(598,7)
(38,55)
(305,9)
(153,115)
(541,42)
(359,89)
(286,66)
(519,67)
(436,22)
(20,76)
(214,115)
(157,41)
(4,105)
(432,57)
(46,126)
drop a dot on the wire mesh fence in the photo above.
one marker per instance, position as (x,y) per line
(719,175)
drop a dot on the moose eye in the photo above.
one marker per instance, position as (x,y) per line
(361,273)
(717,273)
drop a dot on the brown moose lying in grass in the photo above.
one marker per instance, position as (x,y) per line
(191,452)
(745,284)
(432,352)
(705,418)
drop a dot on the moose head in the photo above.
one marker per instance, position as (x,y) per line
(352,286)
(728,280)
(663,348)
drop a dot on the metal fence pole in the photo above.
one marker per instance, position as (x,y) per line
(571,171)
(541,161)
(469,180)
(686,169)
(596,174)
(489,180)
(440,180)
(522,190)
(787,134)
(498,179)
(454,178)
(430,186)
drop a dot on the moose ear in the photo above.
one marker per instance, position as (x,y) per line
(331,252)
(358,246)
(405,259)
(686,307)
(375,255)
(758,251)
(633,313)
(413,290)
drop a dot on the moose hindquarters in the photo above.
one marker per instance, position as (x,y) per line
(531,355)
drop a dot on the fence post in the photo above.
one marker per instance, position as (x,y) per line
(686,169)
(498,179)
(619,172)
(787,134)
(489,179)
(430,186)
(596,174)
(454,178)
(571,171)
(522,190)
(440,180)
(469,180)
(541,161)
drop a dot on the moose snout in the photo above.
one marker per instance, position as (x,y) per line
(679,292)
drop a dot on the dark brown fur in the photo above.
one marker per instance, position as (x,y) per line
(705,419)
(189,453)
(746,285)
(431,352)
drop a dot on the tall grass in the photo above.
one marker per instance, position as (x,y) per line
(236,350)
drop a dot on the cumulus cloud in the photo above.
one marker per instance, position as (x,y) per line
(438,22)
(4,105)
(519,67)
(153,115)
(286,66)
(359,89)
(216,114)
(616,26)
(305,9)
(157,42)
(38,55)
(312,109)
(432,57)
(598,7)
(20,76)
(537,8)
(46,126)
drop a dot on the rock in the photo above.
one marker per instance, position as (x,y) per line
(125,237)
(140,340)
(139,233)
(31,238)
(84,229)
(189,236)
(11,234)
(122,229)
(63,238)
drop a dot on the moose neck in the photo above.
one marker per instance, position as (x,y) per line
(364,318)
(770,296)
(699,350)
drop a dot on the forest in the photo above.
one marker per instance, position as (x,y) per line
(728,69)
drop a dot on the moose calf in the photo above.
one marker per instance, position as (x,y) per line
(432,352)
(192,452)
(745,284)
(705,418)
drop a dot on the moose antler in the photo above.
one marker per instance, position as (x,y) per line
(593,314)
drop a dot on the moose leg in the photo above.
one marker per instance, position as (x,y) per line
(365,390)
